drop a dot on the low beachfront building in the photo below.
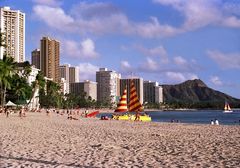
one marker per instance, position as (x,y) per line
(89,87)
(153,93)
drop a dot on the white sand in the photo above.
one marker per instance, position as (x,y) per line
(41,141)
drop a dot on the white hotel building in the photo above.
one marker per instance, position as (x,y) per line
(108,85)
(12,24)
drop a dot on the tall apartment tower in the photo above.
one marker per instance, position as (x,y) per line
(12,24)
(73,74)
(50,55)
(64,77)
(159,94)
(108,85)
(153,93)
(36,58)
(64,72)
(138,83)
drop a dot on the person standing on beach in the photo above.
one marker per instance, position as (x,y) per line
(137,116)
(216,122)
(21,112)
(1,110)
(86,112)
(48,111)
(212,123)
(7,111)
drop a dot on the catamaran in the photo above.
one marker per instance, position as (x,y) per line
(227,108)
(134,105)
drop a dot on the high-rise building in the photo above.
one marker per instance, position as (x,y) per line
(89,87)
(36,58)
(159,94)
(12,24)
(108,85)
(152,92)
(50,55)
(138,83)
(64,74)
(73,74)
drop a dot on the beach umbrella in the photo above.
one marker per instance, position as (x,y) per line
(9,103)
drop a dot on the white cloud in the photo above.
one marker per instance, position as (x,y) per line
(48,2)
(84,49)
(225,60)
(150,64)
(157,61)
(87,71)
(125,65)
(54,17)
(232,8)
(179,61)
(85,18)
(105,18)
(88,49)
(154,29)
(216,80)
(232,21)
(100,18)
(158,51)
(174,77)
(201,13)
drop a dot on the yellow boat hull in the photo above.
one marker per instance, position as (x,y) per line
(145,118)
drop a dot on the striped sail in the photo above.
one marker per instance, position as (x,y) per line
(122,105)
(134,103)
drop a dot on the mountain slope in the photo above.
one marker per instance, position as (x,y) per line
(194,91)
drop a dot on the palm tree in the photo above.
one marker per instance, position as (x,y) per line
(7,69)
(26,69)
(20,87)
(40,81)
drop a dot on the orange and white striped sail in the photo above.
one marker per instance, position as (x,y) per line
(134,103)
(122,105)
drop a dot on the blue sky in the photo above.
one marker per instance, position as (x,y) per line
(168,41)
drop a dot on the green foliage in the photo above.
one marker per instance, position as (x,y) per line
(49,96)
(13,86)
(20,89)
(7,70)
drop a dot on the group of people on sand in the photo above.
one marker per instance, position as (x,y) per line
(215,122)
(175,121)
(71,113)
(5,110)
(8,110)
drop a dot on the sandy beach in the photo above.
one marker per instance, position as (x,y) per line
(39,140)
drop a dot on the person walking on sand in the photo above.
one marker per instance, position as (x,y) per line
(7,111)
(48,111)
(212,123)
(86,112)
(21,112)
(137,116)
(216,122)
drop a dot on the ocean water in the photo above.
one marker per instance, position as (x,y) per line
(196,117)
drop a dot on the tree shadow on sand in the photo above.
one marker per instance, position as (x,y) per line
(43,162)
